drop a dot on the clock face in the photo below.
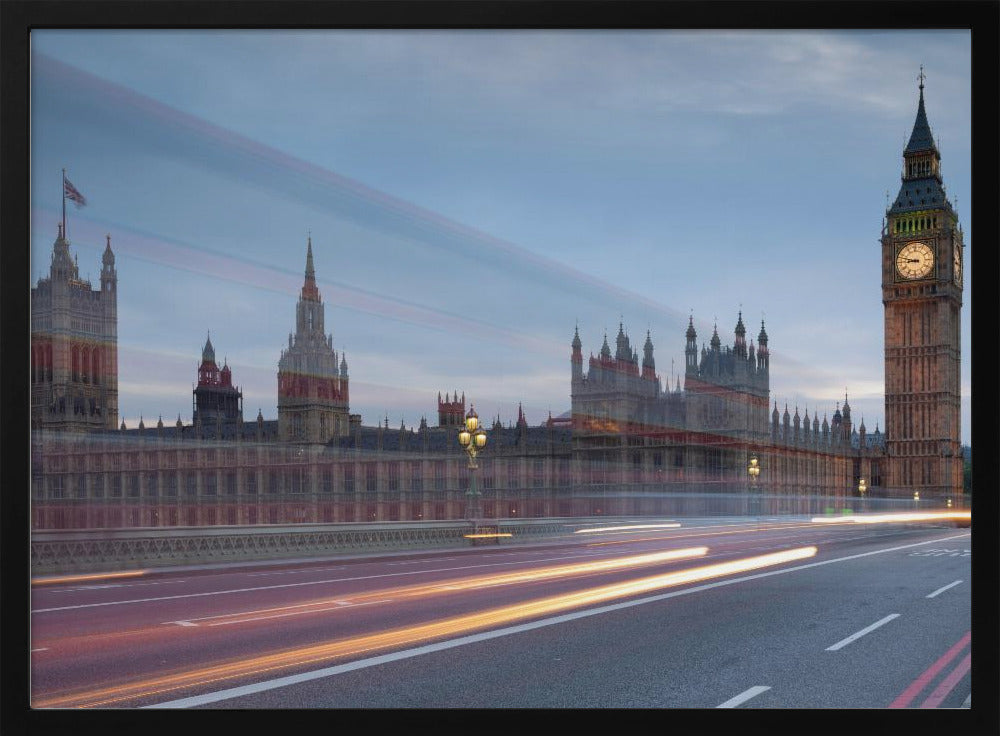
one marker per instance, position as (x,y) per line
(915,261)
(958,264)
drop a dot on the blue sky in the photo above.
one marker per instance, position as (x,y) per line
(472,196)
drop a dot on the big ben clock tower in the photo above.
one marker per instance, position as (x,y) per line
(922,278)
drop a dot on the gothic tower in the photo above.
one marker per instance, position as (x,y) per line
(215,397)
(922,293)
(74,345)
(312,389)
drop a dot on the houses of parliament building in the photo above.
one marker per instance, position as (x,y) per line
(630,445)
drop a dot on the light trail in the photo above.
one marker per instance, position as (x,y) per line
(709,532)
(626,528)
(408,635)
(88,578)
(894,518)
(423,590)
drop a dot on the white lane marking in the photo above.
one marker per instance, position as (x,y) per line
(745,696)
(942,590)
(306,582)
(867,630)
(340,605)
(292,572)
(257,687)
(181,623)
(117,585)
(41,649)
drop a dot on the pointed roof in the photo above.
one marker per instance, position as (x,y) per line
(108,259)
(309,290)
(921,139)
(605,349)
(208,353)
(576,339)
(691,334)
(925,190)
(741,330)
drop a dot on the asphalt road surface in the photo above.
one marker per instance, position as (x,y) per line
(706,614)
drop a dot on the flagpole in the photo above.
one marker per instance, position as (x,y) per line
(64,204)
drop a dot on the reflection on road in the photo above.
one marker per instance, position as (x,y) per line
(274,663)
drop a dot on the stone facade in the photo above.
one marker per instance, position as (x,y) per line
(313,391)
(629,445)
(74,345)
(922,280)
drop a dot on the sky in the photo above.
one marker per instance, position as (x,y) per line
(474,196)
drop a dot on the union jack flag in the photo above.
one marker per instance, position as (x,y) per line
(71,192)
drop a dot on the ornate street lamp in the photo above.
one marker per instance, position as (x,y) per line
(753,470)
(862,489)
(472,438)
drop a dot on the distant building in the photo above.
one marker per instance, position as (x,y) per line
(74,345)
(216,400)
(629,445)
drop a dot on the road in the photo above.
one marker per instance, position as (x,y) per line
(705,614)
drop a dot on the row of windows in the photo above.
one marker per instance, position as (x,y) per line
(194,484)
(915,224)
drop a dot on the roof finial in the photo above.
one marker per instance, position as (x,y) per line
(922,77)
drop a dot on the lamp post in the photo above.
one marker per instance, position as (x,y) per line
(862,489)
(753,470)
(472,438)
(916,499)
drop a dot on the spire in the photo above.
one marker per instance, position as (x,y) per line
(740,346)
(309,290)
(921,139)
(310,271)
(922,187)
(691,334)
(715,342)
(208,353)
(623,349)
(109,257)
(762,338)
(577,345)
(648,365)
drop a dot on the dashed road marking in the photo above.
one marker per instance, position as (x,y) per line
(868,629)
(745,696)
(942,590)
